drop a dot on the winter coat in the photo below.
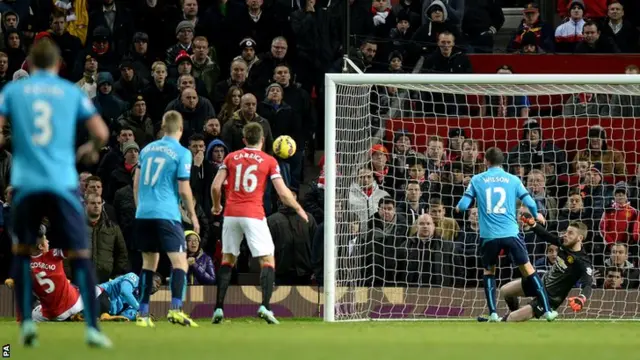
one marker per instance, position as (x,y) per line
(201,272)
(125,208)
(108,249)
(292,238)
(232,132)
(621,224)
(143,130)
(208,73)
(194,119)
(362,205)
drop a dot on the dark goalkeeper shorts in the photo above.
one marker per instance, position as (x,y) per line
(515,247)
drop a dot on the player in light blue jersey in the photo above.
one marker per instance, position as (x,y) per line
(495,192)
(43,112)
(122,294)
(162,179)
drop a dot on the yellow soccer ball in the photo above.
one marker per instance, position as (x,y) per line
(284,147)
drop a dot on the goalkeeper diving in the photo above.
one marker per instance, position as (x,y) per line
(573,265)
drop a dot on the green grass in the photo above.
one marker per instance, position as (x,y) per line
(305,340)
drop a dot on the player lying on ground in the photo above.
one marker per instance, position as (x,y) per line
(122,293)
(160,182)
(573,265)
(495,192)
(59,300)
(248,170)
(44,112)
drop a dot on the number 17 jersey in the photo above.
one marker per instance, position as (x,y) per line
(163,163)
(248,170)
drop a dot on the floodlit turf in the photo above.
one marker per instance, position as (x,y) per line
(303,340)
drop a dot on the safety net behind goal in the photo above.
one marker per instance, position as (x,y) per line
(404,154)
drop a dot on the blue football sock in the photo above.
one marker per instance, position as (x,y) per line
(178,284)
(490,292)
(145,286)
(84,277)
(22,284)
(542,294)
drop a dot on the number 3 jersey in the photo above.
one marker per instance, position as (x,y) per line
(248,170)
(162,164)
(50,284)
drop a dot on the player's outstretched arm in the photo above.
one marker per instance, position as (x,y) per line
(288,199)
(99,135)
(539,230)
(467,198)
(216,191)
(184,188)
(576,303)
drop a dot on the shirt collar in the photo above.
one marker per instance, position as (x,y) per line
(105,9)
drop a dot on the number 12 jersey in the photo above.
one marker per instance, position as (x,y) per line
(248,170)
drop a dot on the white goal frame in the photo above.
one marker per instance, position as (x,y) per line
(413,81)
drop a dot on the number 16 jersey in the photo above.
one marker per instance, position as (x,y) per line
(248,170)
(163,163)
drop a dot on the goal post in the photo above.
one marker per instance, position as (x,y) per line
(368,272)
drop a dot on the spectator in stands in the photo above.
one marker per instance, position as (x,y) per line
(231,104)
(623,32)
(596,194)
(257,21)
(363,56)
(293,240)
(621,222)
(429,257)
(383,19)
(99,47)
(574,210)
(625,105)
(450,186)
(94,186)
(89,77)
(436,158)
(10,19)
(594,9)
(195,111)
(616,279)
(130,84)
(446,228)
(140,56)
(454,143)
(586,104)
(248,53)
(409,11)
(314,199)
(402,150)
(201,271)
(184,67)
(403,32)
(532,149)
(365,195)
(14,49)
(203,220)
(547,205)
(597,151)
(416,171)
(454,8)
(531,22)
(184,35)
(5,77)
(466,247)
(232,129)
(114,157)
(529,44)
(393,103)
(125,208)
(161,91)
(204,68)
(198,181)
(619,257)
(413,204)
(82,180)
(437,22)
(69,45)
(238,79)
(109,251)
(138,121)
(569,34)
(123,174)
(117,20)
(211,130)
(383,174)
(6,160)
(471,160)
(594,43)
(189,13)
(262,71)
(214,156)
(386,229)
(545,264)
(482,21)
(108,104)
(506,106)
(634,188)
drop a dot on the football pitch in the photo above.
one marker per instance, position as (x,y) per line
(311,339)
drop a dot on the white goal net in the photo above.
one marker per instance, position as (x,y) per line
(400,151)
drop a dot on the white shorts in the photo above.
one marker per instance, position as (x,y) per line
(77,308)
(256,231)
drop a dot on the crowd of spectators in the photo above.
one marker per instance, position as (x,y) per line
(224,63)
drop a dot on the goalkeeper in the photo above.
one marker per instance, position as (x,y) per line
(573,264)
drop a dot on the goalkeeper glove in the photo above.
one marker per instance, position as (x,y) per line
(577,302)
(527,219)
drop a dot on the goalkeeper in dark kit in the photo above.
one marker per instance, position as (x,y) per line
(573,264)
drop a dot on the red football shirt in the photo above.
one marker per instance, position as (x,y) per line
(248,170)
(50,284)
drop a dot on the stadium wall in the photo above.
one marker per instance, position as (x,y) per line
(554,64)
(379,303)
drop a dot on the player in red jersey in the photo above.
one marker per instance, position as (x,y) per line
(59,300)
(246,172)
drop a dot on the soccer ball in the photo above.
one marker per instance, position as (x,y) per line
(284,147)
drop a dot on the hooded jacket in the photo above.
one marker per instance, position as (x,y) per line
(612,161)
(527,155)
(426,37)
(201,272)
